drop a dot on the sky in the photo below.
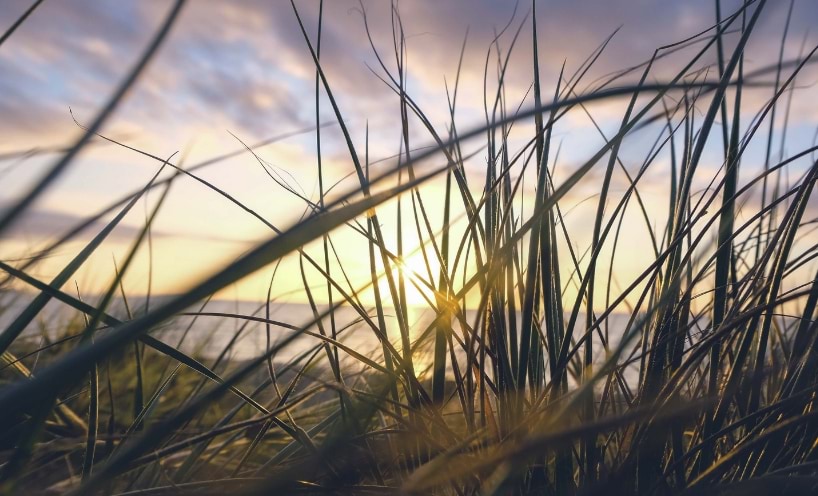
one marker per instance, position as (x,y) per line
(239,72)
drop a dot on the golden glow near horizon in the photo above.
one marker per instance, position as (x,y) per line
(241,94)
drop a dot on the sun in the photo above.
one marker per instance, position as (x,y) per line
(415,274)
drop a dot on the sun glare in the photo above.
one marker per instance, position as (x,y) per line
(415,274)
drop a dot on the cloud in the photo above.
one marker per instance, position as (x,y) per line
(49,224)
(43,223)
(244,67)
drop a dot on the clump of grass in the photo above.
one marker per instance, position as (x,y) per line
(541,370)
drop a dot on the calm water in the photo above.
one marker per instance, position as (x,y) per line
(209,336)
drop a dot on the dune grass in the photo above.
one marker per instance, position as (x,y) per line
(541,371)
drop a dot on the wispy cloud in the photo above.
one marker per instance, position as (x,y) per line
(244,67)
